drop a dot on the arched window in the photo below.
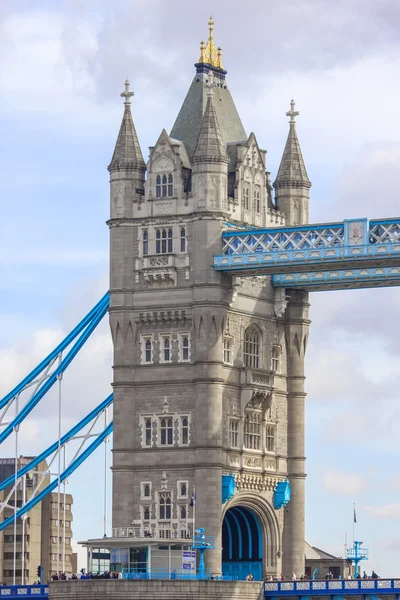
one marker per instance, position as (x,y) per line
(164,241)
(146,513)
(270,437)
(257,199)
(165,505)
(148,432)
(251,350)
(276,359)
(169,245)
(158,186)
(246,196)
(145,241)
(183,512)
(146,490)
(166,432)
(148,351)
(252,430)
(164,186)
(184,432)
(183,239)
(183,490)
(170,185)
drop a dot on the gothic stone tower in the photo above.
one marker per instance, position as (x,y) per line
(208,369)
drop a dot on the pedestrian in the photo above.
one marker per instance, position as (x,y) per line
(294,577)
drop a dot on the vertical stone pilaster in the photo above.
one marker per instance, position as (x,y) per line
(297,326)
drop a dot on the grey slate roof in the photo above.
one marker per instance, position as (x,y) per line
(188,122)
(127,152)
(210,145)
(292,170)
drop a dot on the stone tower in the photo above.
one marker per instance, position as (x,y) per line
(208,369)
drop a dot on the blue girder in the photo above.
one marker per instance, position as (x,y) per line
(336,588)
(339,279)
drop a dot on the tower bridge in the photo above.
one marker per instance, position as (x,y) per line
(209,348)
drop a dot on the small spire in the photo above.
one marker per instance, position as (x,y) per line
(292,170)
(127,93)
(292,113)
(210,146)
(209,53)
(127,153)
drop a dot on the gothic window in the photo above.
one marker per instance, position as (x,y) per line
(228,350)
(257,199)
(145,490)
(164,186)
(165,348)
(145,241)
(184,347)
(170,185)
(165,504)
(164,241)
(166,431)
(183,239)
(182,489)
(184,433)
(234,433)
(158,186)
(146,513)
(252,430)
(276,359)
(270,437)
(251,351)
(147,431)
(246,196)
(147,349)
(183,512)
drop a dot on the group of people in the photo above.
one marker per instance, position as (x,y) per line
(329,575)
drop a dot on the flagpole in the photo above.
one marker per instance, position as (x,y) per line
(354,519)
(194,509)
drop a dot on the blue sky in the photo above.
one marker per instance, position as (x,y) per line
(62,68)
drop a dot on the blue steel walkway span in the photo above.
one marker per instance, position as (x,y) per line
(351,244)
(337,588)
(40,592)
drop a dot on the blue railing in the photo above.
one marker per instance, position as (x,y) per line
(25,591)
(337,587)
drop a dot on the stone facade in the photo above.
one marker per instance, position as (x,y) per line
(208,374)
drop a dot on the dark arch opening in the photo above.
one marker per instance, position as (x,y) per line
(242,544)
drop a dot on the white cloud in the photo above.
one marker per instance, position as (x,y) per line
(387,511)
(347,484)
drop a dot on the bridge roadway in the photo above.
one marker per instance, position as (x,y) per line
(358,250)
(333,588)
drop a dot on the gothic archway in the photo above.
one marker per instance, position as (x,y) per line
(242,543)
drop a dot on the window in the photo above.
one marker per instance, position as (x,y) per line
(234,433)
(252,430)
(145,241)
(251,354)
(146,513)
(165,348)
(183,512)
(270,437)
(276,359)
(182,489)
(184,347)
(184,432)
(165,505)
(147,349)
(145,489)
(228,350)
(164,241)
(183,239)
(164,185)
(158,186)
(147,431)
(246,194)
(257,199)
(170,185)
(166,431)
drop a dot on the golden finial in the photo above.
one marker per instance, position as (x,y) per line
(209,54)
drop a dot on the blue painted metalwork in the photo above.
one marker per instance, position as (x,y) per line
(162,574)
(228,527)
(64,475)
(260,535)
(246,520)
(239,530)
(60,348)
(201,543)
(339,279)
(335,587)
(282,494)
(41,592)
(71,433)
(352,243)
(228,487)
(356,554)
(48,383)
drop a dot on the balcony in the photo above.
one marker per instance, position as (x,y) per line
(160,270)
(140,533)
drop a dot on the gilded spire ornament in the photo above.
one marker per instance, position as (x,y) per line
(209,53)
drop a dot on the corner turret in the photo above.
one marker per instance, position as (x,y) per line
(292,183)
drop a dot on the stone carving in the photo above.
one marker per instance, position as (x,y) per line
(234,460)
(165,405)
(159,261)
(164,481)
(260,379)
(118,193)
(252,462)
(163,164)
(280,301)
(163,208)
(260,483)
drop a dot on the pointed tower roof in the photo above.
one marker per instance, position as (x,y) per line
(292,170)
(188,122)
(127,152)
(210,146)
